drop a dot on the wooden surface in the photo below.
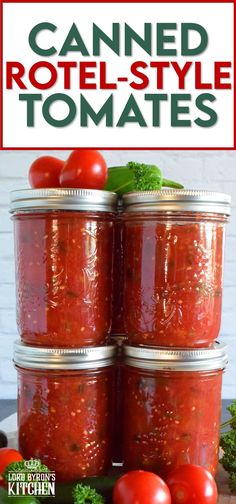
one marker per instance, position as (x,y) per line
(222,482)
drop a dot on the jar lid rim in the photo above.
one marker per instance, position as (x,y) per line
(189,200)
(189,359)
(62,358)
(63,199)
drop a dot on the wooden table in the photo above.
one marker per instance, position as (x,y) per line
(222,481)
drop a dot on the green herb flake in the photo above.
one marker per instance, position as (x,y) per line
(72,294)
(228,444)
(20,467)
(83,494)
(137,177)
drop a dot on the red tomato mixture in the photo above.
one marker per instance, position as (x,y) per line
(170,419)
(173,279)
(118,276)
(64,277)
(64,419)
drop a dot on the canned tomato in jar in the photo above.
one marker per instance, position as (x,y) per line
(65,408)
(63,255)
(173,272)
(172,407)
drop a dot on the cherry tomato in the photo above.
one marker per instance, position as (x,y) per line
(86,169)
(191,484)
(141,487)
(7,456)
(45,172)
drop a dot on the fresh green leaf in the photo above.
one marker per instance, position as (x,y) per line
(20,467)
(84,494)
(146,177)
(232,482)
(228,444)
(232,410)
(137,177)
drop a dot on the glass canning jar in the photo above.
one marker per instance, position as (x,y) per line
(173,271)
(172,407)
(65,408)
(63,255)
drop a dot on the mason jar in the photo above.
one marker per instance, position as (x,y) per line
(65,408)
(63,256)
(172,407)
(173,272)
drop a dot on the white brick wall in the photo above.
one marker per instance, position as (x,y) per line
(208,170)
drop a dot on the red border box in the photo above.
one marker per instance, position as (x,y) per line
(99,146)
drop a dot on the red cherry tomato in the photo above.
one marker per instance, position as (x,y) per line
(141,487)
(7,456)
(45,172)
(191,484)
(86,169)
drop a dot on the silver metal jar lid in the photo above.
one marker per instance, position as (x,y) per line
(63,358)
(177,359)
(63,199)
(177,200)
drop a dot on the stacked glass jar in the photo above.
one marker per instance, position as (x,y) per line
(173,279)
(64,265)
